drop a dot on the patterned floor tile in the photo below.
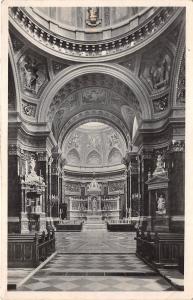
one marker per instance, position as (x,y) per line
(92,283)
(107,256)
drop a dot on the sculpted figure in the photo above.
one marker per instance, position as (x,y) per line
(161,205)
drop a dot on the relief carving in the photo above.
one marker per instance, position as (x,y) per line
(157,69)
(72,187)
(160,104)
(93,17)
(29,109)
(116,186)
(33,73)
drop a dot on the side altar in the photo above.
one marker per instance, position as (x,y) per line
(33,218)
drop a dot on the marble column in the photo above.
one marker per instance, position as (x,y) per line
(146,165)
(14,191)
(176,188)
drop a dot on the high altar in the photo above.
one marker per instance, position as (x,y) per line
(94,205)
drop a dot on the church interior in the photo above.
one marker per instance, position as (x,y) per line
(96,148)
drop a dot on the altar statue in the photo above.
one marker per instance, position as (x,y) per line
(94,204)
(161,205)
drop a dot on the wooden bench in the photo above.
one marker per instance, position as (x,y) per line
(28,250)
(160,248)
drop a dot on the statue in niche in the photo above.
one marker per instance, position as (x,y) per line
(32,177)
(159,72)
(93,16)
(94,204)
(161,210)
(33,77)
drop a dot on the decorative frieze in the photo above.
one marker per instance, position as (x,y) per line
(72,187)
(116,186)
(130,40)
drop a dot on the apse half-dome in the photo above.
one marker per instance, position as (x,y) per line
(94,144)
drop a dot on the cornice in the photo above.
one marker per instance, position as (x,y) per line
(85,52)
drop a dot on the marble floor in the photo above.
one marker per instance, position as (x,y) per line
(96,261)
(95,242)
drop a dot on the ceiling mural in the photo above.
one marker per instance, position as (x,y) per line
(156,68)
(33,73)
(88,146)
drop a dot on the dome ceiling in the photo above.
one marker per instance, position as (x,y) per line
(92,33)
(89,18)
(94,146)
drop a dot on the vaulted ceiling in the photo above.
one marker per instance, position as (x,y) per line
(63,92)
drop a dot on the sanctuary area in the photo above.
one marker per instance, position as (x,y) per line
(96,148)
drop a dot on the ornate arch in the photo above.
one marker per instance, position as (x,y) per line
(95,116)
(114,70)
(15,76)
(179,66)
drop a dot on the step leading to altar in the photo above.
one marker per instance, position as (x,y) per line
(94,222)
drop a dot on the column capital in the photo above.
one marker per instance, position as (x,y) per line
(146,154)
(177,146)
(42,156)
(14,149)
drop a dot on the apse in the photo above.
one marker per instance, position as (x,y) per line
(94,144)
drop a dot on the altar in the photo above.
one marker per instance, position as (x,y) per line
(93,205)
